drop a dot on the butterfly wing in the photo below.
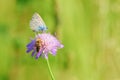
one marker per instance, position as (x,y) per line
(37,24)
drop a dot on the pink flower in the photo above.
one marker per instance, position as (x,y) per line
(43,44)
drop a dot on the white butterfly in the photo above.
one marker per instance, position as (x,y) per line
(37,24)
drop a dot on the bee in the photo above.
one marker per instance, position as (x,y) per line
(37,24)
(38,44)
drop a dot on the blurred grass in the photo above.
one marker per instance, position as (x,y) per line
(89,30)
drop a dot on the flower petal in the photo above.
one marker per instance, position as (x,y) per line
(53,51)
(39,53)
(33,53)
(29,49)
(61,46)
(31,43)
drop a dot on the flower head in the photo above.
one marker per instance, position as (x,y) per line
(43,44)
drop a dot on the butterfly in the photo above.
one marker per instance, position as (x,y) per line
(37,24)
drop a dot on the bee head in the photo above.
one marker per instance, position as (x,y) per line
(38,40)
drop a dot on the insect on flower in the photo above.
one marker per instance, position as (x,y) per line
(38,44)
(37,24)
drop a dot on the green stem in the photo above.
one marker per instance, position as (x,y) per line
(50,71)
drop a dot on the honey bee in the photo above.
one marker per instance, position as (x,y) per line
(38,44)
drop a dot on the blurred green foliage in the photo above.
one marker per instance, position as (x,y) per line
(89,30)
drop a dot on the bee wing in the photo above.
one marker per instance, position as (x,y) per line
(36,22)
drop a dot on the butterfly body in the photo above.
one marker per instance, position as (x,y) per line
(37,24)
(42,28)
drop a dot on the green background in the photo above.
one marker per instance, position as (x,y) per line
(89,30)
